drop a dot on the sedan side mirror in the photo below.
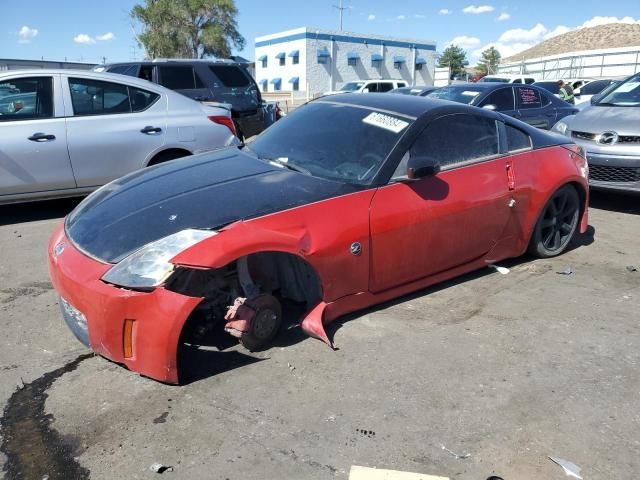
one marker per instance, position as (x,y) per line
(490,107)
(419,167)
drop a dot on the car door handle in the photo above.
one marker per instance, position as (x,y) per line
(149,129)
(41,137)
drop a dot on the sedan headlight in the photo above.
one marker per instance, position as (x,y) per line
(149,266)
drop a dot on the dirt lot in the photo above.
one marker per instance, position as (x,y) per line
(506,368)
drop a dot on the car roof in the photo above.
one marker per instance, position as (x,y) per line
(176,61)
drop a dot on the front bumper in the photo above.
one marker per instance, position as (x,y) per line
(612,167)
(138,329)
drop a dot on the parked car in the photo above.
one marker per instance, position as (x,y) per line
(584,93)
(609,132)
(419,91)
(369,86)
(530,104)
(347,202)
(551,86)
(67,132)
(527,79)
(221,81)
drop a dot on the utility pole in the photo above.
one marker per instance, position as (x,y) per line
(341,9)
(104,60)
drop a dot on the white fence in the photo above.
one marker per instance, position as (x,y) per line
(609,63)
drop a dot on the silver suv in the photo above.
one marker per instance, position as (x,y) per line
(609,132)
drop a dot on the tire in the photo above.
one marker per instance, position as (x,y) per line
(557,223)
(168,155)
(265,323)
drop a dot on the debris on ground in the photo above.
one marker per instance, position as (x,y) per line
(291,367)
(632,268)
(502,270)
(566,271)
(160,468)
(331,418)
(570,469)
(458,456)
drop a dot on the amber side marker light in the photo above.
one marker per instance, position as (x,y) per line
(127,341)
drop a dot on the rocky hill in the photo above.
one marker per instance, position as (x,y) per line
(612,35)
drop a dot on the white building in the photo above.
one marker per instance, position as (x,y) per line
(311,61)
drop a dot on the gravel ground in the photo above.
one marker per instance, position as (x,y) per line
(505,368)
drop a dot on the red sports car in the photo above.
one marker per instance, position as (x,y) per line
(349,201)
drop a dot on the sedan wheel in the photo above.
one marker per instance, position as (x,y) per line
(557,223)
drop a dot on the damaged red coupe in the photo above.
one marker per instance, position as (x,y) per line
(350,201)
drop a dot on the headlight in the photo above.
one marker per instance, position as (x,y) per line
(149,266)
(560,127)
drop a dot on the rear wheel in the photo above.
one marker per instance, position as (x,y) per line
(557,223)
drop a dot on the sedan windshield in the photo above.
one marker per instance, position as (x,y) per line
(332,141)
(464,94)
(351,86)
(626,94)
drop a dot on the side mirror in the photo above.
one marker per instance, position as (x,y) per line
(490,107)
(596,98)
(419,167)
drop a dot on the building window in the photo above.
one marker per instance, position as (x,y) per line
(398,62)
(295,57)
(420,62)
(376,60)
(276,82)
(323,55)
(263,60)
(281,58)
(352,59)
(295,83)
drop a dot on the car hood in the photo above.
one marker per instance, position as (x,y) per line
(206,191)
(595,119)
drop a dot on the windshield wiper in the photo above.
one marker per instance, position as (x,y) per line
(284,162)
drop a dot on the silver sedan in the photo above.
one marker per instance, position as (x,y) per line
(609,132)
(65,132)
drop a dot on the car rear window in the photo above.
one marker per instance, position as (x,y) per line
(528,98)
(179,78)
(230,76)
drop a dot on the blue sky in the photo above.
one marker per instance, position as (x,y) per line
(87,30)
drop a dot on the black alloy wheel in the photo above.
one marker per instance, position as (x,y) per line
(557,223)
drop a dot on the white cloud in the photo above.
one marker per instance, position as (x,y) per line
(27,34)
(444,11)
(523,35)
(464,42)
(503,16)
(559,30)
(401,17)
(83,39)
(106,37)
(479,9)
(371,17)
(595,21)
(419,15)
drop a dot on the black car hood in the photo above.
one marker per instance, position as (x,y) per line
(206,191)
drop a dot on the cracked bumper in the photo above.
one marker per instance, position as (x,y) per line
(155,319)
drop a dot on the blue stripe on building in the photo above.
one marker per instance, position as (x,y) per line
(345,38)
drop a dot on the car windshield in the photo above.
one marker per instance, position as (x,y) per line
(466,94)
(625,94)
(351,86)
(495,79)
(332,141)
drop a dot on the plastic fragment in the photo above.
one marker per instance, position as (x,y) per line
(160,468)
(458,456)
(566,271)
(570,469)
(502,270)
(632,268)
(291,367)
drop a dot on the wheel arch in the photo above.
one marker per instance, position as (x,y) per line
(168,154)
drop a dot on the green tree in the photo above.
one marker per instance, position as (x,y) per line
(455,58)
(489,61)
(187,28)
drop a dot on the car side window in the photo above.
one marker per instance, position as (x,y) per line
(141,99)
(26,99)
(517,80)
(517,139)
(385,86)
(528,98)
(592,88)
(93,97)
(179,78)
(529,81)
(441,139)
(373,87)
(502,99)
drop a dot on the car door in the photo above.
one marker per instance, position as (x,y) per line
(501,100)
(33,143)
(113,128)
(185,80)
(534,107)
(439,222)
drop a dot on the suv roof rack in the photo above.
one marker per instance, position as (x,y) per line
(203,60)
